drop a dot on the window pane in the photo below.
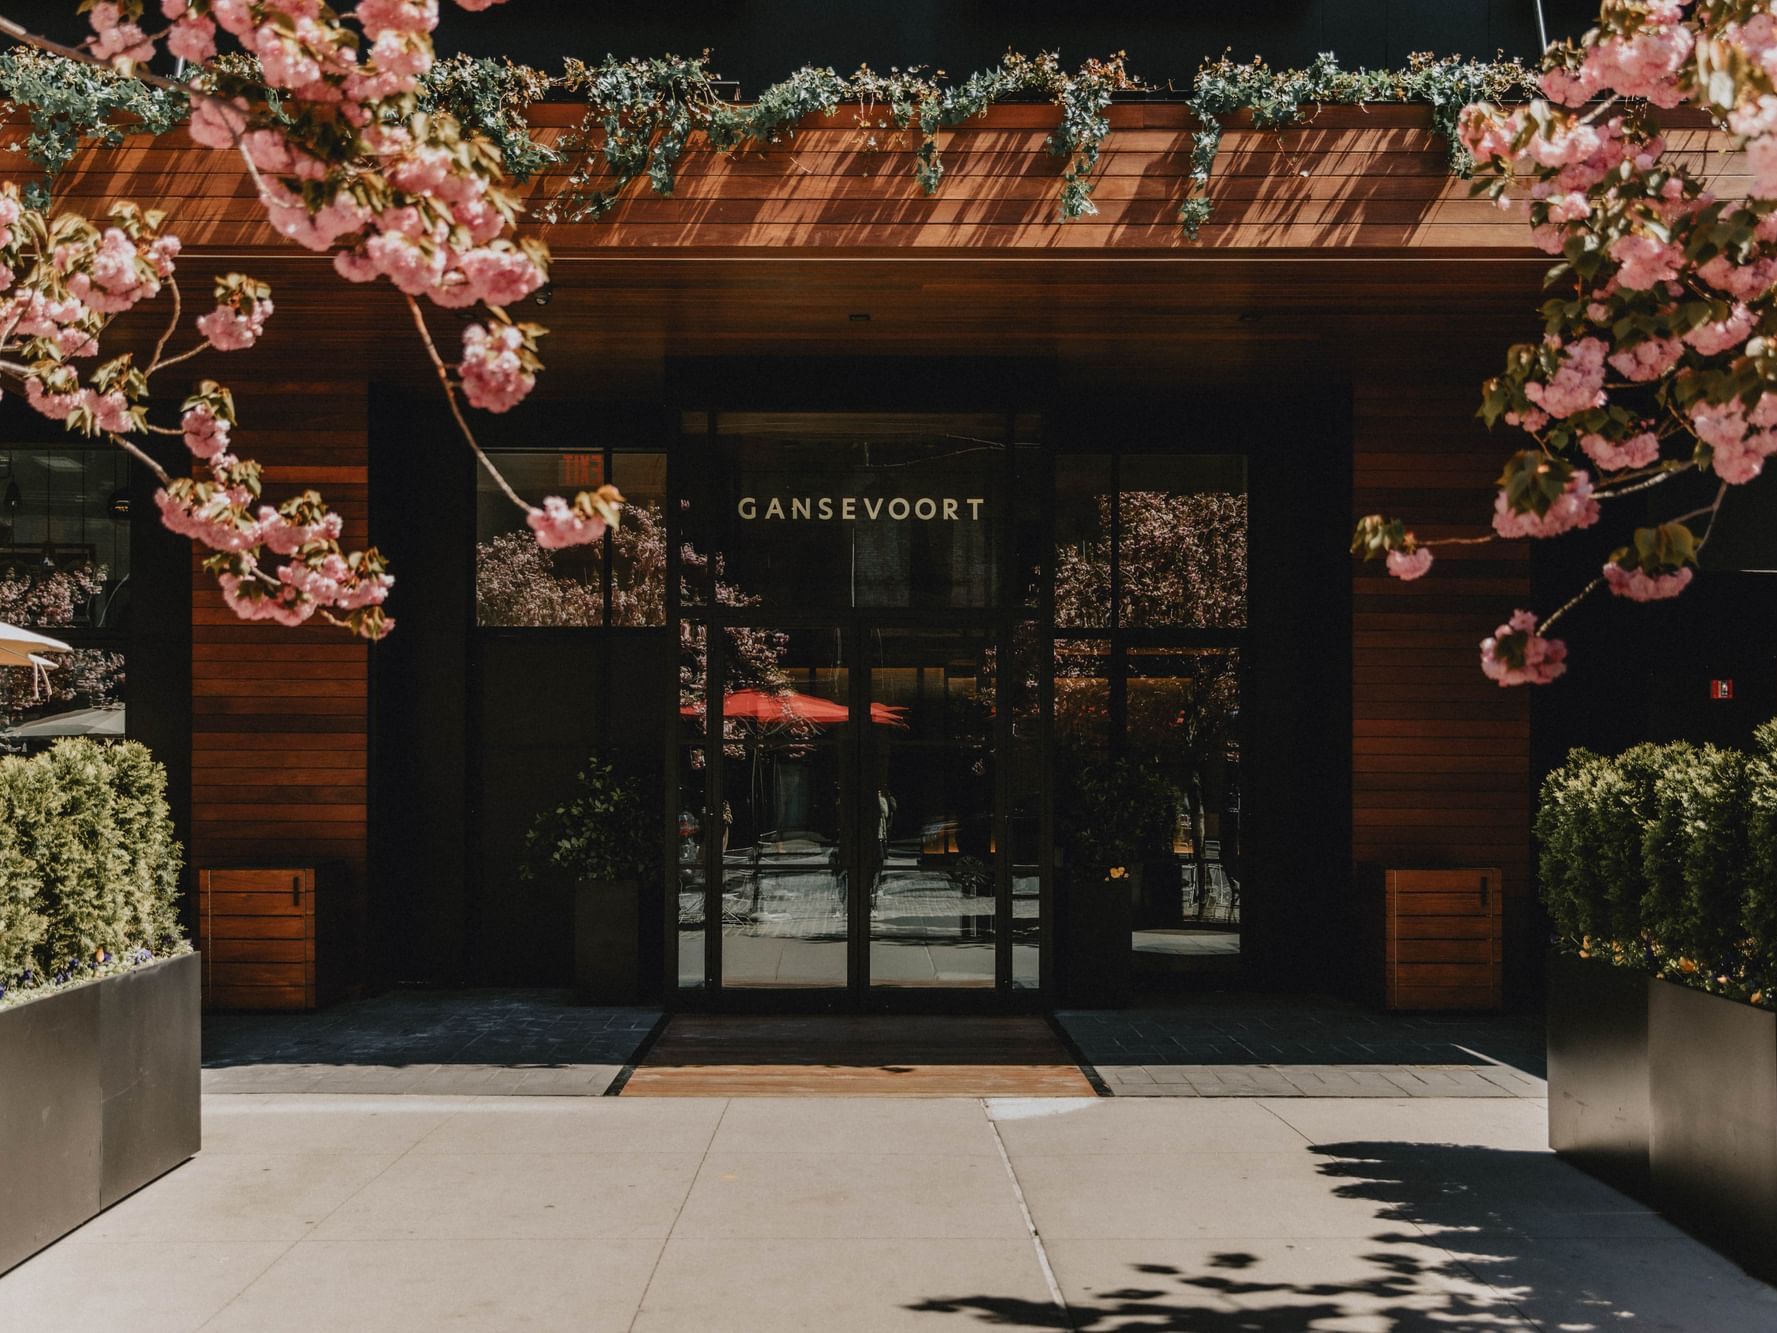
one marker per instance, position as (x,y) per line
(1182,541)
(64,571)
(517,582)
(1083,695)
(1184,713)
(638,546)
(1082,541)
(832,511)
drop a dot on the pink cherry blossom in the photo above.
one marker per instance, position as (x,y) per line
(1639,586)
(1612,456)
(206,434)
(1720,335)
(1644,262)
(557,525)
(1648,359)
(1578,382)
(1409,565)
(1517,655)
(1575,507)
(213,523)
(229,330)
(494,375)
(215,123)
(115,40)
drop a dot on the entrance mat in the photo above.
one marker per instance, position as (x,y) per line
(857,1055)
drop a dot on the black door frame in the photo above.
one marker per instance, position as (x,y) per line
(1003,396)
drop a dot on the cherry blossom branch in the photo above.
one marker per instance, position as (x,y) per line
(456,410)
(160,345)
(123,443)
(1569,604)
(1660,478)
(1713,510)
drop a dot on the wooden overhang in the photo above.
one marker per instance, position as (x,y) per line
(1340,249)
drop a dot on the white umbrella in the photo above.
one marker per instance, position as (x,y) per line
(17,645)
(79,722)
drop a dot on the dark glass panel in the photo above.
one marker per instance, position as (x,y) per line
(1083,489)
(517,582)
(1181,541)
(638,545)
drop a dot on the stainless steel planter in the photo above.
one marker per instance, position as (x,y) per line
(1669,1094)
(98,1096)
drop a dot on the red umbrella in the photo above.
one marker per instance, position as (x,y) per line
(785,706)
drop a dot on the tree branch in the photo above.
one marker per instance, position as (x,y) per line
(456,410)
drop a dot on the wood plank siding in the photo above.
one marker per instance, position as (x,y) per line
(1440,754)
(280,717)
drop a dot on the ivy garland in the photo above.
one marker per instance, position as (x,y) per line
(640,113)
(68,102)
(1278,99)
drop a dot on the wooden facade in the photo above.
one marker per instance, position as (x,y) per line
(1341,249)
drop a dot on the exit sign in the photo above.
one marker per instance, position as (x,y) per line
(1721,689)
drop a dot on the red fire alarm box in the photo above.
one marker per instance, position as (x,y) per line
(1721,689)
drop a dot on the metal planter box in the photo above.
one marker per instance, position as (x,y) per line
(1670,1095)
(98,1096)
(1598,1079)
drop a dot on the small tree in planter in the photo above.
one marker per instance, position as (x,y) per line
(603,838)
(1111,816)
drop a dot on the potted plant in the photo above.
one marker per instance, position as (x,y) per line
(1111,816)
(98,990)
(604,839)
(1659,871)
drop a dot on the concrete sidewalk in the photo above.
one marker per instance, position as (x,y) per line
(418,1212)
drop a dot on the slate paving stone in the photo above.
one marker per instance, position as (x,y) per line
(1269,1045)
(520,1042)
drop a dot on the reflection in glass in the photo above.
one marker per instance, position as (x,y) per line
(1024,818)
(64,571)
(1083,695)
(517,582)
(788,824)
(931,854)
(638,545)
(1184,712)
(1083,489)
(690,876)
(1181,541)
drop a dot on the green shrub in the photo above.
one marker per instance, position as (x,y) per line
(89,868)
(1759,914)
(607,830)
(1666,856)
(1114,813)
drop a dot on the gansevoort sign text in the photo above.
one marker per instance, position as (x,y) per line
(851,508)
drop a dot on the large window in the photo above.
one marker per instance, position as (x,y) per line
(1150,617)
(620,580)
(64,572)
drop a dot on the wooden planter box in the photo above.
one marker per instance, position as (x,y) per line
(1443,939)
(1641,1070)
(256,931)
(98,1096)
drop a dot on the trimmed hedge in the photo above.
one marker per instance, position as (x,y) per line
(1665,858)
(89,867)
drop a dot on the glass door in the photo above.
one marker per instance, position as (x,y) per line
(790,826)
(933,872)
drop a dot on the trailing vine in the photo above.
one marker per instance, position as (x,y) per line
(1278,99)
(490,97)
(641,113)
(69,103)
